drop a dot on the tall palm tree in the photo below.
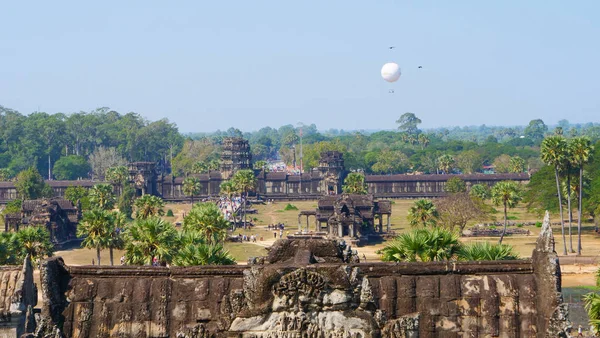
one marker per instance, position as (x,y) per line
(553,153)
(150,238)
(199,167)
(149,206)
(446,163)
(95,227)
(423,212)
(35,242)
(245,181)
(101,196)
(507,194)
(191,186)
(207,220)
(228,189)
(581,150)
(115,234)
(354,183)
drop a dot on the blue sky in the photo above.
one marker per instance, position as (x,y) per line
(210,65)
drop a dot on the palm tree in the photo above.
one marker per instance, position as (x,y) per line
(115,234)
(199,167)
(9,248)
(228,189)
(517,164)
(486,251)
(508,194)
(191,187)
(117,176)
(446,163)
(101,196)
(207,220)
(150,238)
(553,152)
(592,306)
(149,206)
(423,212)
(244,181)
(424,245)
(195,251)
(581,150)
(96,227)
(354,183)
(35,242)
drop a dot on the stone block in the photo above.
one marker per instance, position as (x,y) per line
(450,286)
(428,287)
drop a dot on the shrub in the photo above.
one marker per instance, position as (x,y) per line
(170,213)
(538,224)
(485,251)
(289,207)
(520,225)
(493,227)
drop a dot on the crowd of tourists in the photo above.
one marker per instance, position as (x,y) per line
(230,206)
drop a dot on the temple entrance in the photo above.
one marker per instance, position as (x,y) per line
(345,230)
(345,210)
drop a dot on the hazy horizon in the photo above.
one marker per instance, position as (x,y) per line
(211,66)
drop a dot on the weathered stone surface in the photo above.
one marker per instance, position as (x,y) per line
(282,298)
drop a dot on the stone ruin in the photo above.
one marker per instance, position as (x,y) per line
(309,288)
(18,297)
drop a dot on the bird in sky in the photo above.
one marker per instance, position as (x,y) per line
(392,47)
(420,67)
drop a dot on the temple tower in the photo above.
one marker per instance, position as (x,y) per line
(331,170)
(235,156)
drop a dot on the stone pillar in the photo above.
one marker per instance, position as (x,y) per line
(380,223)
(340,229)
(351,230)
(317,225)
(388,223)
(299,223)
(307,226)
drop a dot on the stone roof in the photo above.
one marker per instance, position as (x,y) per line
(443,178)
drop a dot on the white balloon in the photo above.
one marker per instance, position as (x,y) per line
(390,72)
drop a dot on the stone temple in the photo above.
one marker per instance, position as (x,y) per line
(308,288)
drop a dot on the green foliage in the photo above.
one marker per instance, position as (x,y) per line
(354,183)
(517,164)
(591,303)
(102,196)
(10,253)
(149,206)
(71,167)
(12,207)
(207,220)
(540,194)
(30,184)
(125,202)
(485,251)
(149,238)
(35,242)
(191,186)
(455,185)
(6,174)
(408,123)
(423,213)
(507,194)
(446,163)
(289,207)
(95,228)
(75,194)
(536,130)
(195,251)
(425,245)
(538,224)
(480,191)
(170,213)
(118,175)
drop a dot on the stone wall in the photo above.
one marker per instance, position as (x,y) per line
(18,296)
(311,288)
